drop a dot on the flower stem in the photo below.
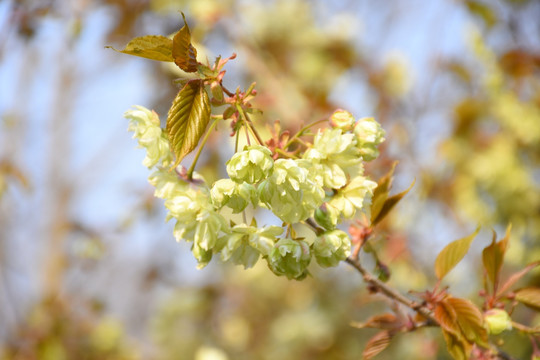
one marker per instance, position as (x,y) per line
(203,142)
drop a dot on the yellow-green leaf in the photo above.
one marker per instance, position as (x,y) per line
(482,11)
(470,320)
(188,118)
(183,53)
(154,47)
(381,192)
(452,254)
(376,344)
(493,256)
(457,346)
(529,296)
(389,204)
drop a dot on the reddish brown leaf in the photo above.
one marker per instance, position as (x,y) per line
(446,316)
(382,321)
(470,320)
(529,296)
(183,53)
(515,277)
(376,344)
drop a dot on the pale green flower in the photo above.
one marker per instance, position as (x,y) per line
(497,321)
(146,128)
(369,134)
(342,119)
(290,193)
(167,183)
(336,155)
(196,221)
(290,258)
(351,197)
(245,244)
(252,165)
(234,195)
(332,247)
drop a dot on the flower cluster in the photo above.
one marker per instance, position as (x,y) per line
(325,184)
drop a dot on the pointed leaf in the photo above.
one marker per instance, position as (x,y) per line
(183,53)
(154,47)
(452,254)
(470,320)
(376,344)
(382,321)
(515,277)
(389,204)
(493,256)
(457,346)
(446,316)
(188,118)
(381,192)
(529,296)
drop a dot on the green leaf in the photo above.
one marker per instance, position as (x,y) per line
(529,296)
(381,192)
(493,256)
(458,347)
(452,254)
(188,118)
(389,204)
(183,53)
(482,11)
(154,47)
(376,344)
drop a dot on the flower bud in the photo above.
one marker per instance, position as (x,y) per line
(325,217)
(332,247)
(342,119)
(497,321)
(290,258)
(369,134)
(251,165)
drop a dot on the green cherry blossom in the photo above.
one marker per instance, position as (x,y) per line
(290,258)
(252,165)
(290,192)
(232,194)
(332,247)
(369,134)
(146,128)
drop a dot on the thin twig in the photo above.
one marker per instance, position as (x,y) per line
(390,292)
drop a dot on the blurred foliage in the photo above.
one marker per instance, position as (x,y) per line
(487,173)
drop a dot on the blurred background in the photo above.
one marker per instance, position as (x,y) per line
(90,270)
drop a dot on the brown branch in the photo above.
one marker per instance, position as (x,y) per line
(390,292)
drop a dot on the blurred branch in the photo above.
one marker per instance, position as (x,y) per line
(390,292)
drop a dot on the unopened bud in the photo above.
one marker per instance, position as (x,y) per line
(342,119)
(497,321)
